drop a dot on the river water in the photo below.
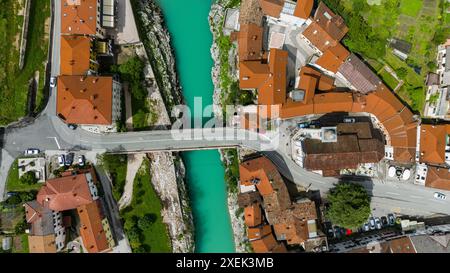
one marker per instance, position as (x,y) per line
(188,25)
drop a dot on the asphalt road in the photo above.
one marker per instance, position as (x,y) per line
(48,132)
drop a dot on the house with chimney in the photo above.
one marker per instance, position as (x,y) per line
(274,214)
(89,100)
(76,194)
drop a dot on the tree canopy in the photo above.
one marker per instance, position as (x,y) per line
(29,178)
(349,205)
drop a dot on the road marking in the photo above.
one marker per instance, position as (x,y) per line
(57,143)
(392,193)
(417,197)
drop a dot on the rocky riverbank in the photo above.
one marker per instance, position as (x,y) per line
(156,40)
(216,18)
(167,169)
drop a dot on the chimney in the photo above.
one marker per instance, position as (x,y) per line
(95,80)
(83,90)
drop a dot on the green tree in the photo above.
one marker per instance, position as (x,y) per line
(20,227)
(28,178)
(401,72)
(349,205)
(146,221)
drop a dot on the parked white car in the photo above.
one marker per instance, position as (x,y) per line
(81,160)
(52,82)
(440,196)
(61,160)
(31,151)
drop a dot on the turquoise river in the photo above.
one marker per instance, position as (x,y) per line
(188,25)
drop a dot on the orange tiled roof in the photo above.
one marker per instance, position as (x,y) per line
(432,143)
(274,89)
(65,193)
(85,99)
(91,228)
(250,42)
(252,74)
(272,8)
(264,245)
(79,17)
(252,215)
(75,55)
(303,8)
(309,77)
(326,30)
(42,244)
(333,58)
(257,233)
(438,178)
(259,171)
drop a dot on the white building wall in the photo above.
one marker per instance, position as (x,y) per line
(116,101)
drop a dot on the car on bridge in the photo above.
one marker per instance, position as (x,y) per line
(440,196)
(61,160)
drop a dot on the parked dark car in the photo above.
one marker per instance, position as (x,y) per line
(391,219)
(69,159)
(384,221)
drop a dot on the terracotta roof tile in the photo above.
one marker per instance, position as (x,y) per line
(265,244)
(75,55)
(91,228)
(303,8)
(85,99)
(79,17)
(438,178)
(257,233)
(333,58)
(65,193)
(272,7)
(326,30)
(42,244)
(359,74)
(250,42)
(252,215)
(432,143)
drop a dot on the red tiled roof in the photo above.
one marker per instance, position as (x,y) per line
(252,215)
(272,7)
(250,42)
(333,58)
(65,193)
(91,228)
(438,178)
(79,17)
(326,30)
(303,8)
(85,99)
(432,143)
(75,55)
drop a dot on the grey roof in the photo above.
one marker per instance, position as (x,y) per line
(431,244)
(41,222)
(401,45)
(359,74)
(432,79)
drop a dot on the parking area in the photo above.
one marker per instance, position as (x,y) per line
(374,225)
(58,161)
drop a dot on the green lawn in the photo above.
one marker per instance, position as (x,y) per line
(388,79)
(116,166)
(411,7)
(24,242)
(14,87)
(145,202)
(13,183)
(423,24)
